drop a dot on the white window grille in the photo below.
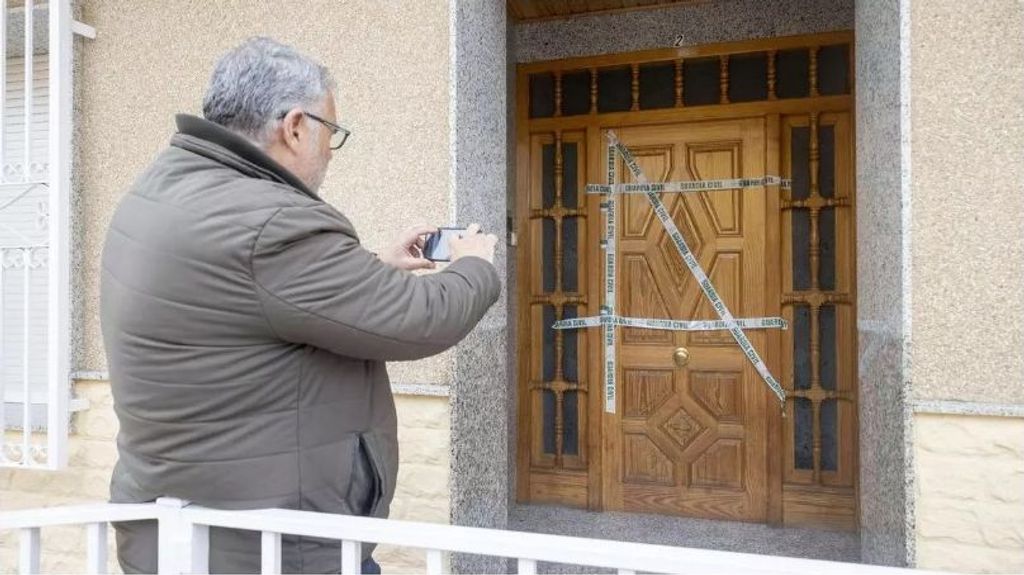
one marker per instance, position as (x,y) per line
(35,183)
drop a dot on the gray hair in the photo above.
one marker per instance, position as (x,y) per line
(257,82)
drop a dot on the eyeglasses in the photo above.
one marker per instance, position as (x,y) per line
(338,134)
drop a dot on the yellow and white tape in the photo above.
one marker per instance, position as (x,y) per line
(689,186)
(671,324)
(698,273)
(608,207)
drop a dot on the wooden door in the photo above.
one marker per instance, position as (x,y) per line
(706,439)
(691,439)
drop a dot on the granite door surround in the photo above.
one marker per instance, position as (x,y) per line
(484,47)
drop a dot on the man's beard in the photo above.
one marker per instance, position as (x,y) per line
(316,179)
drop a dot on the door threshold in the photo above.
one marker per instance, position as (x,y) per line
(681,532)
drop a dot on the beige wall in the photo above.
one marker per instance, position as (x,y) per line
(967,165)
(87,479)
(967,282)
(152,59)
(969,493)
(422,492)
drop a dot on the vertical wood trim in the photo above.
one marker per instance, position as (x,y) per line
(558,94)
(775,351)
(524,281)
(593,90)
(723,79)
(772,54)
(557,217)
(558,385)
(788,310)
(635,88)
(679,83)
(813,70)
(815,256)
(595,229)
(846,142)
(611,488)
(815,195)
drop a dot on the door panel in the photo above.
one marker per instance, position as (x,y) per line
(690,439)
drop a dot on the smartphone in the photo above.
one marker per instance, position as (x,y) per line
(436,247)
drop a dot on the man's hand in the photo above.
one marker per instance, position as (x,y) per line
(474,243)
(407,252)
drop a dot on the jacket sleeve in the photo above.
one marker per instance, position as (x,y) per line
(319,287)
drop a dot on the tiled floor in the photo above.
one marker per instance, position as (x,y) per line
(681,531)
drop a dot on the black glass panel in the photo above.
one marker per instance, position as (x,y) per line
(800,166)
(570,359)
(657,86)
(549,420)
(542,95)
(548,355)
(547,175)
(827,248)
(801,249)
(827,161)
(570,255)
(701,81)
(576,93)
(803,439)
(614,90)
(571,423)
(748,77)
(829,435)
(570,159)
(802,347)
(827,344)
(548,254)
(834,69)
(791,74)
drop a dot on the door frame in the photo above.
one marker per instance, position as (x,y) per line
(592,125)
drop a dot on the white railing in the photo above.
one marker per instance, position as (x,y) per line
(184,542)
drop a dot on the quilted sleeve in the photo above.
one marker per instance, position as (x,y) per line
(318,286)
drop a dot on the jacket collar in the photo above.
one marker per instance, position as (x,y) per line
(218,143)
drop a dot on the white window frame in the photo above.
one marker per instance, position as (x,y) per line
(61,28)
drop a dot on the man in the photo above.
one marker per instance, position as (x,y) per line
(247,328)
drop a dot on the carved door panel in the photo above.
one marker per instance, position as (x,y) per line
(691,439)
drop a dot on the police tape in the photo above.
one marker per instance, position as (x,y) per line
(671,324)
(698,273)
(689,186)
(608,207)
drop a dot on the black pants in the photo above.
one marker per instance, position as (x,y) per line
(370,567)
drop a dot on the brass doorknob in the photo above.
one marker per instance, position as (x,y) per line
(680,356)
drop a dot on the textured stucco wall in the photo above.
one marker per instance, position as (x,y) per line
(421,495)
(152,59)
(92,454)
(969,493)
(967,79)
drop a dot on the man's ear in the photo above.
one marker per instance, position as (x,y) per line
(291,130)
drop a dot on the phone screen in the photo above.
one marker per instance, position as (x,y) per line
(436,247)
